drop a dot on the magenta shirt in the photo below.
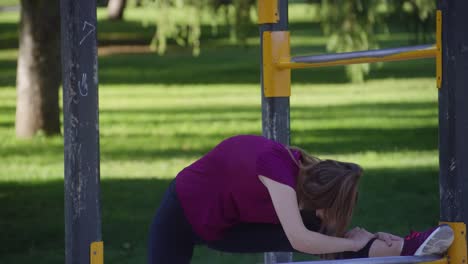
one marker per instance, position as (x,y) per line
(222,188)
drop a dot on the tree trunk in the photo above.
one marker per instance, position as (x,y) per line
(115,9)
(38,71)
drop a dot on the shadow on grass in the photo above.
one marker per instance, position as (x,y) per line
(32,214)
(6,124)
(234,114)
(348,141)
(232,66)
(318,142)
(9,36)
(31,218)
(7,109)
(310,128)
(8,73)
(226,65)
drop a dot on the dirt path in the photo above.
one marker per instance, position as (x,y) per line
(9,9)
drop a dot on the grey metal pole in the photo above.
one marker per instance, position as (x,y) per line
(380,260)
(453,114)
(81,136)
(379,53)
(275,113)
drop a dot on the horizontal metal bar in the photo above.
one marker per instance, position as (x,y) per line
(360,54)
(368,56)
(383,260)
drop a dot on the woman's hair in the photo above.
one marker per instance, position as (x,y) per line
(329,185)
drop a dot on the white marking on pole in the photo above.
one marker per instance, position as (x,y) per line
(91,30)
(83,85)
(453,164)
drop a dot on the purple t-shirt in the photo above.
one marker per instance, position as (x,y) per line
(222,188)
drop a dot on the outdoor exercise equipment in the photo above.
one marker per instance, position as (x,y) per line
(83,241)
(451,53)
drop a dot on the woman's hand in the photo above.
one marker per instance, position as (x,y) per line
(387,238)
(360,237)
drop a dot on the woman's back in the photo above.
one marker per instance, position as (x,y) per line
(222,188)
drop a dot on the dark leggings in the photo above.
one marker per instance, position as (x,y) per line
(172,240)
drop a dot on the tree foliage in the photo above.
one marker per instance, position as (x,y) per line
(180,20)
(352,24)
(419,18)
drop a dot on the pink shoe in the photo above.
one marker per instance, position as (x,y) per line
(433,241)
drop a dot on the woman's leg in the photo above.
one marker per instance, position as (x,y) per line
(435,240)
(256,237)
(252,238)
(381,249)
(171,239)
(383,244)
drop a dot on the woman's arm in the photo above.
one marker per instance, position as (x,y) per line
(286,207)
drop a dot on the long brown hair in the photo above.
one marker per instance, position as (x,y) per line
(329,185)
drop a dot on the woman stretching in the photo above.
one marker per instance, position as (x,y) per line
(251,194)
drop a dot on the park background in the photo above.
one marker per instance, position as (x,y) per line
(162,109)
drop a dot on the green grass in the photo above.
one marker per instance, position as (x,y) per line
(158,114)
(9,2)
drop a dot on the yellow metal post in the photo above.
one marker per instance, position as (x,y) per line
(277,82)
(439,48)
(268,11)
(457,253)
(96,252)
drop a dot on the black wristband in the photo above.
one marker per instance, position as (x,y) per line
(362,253)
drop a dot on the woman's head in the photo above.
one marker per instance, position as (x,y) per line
(329,186)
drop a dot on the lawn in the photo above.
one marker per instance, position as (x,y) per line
(158,114)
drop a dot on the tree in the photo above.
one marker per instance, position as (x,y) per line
(180,21)
(115,9)
(242,22)
(419,18)
(38,71)
(350,26)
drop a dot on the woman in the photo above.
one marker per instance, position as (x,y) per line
(251,194)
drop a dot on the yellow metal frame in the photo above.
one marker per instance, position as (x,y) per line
(277,59)
(96,252)
(285,63)
(457,253)
(439,48)
(268,11)
(276,81)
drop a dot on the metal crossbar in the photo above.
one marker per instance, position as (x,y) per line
(383,260)
(367,56)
